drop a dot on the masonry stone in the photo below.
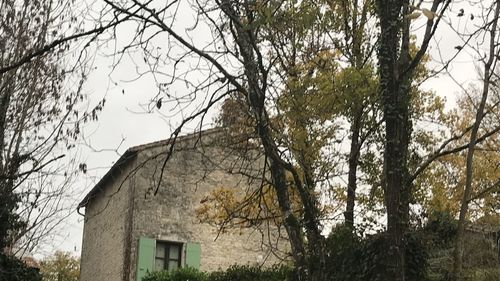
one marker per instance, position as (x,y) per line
(146,196)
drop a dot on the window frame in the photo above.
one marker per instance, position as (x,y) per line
(166,257)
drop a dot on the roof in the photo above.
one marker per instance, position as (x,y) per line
(31,262)
(129,155)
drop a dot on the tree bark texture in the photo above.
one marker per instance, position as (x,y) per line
(394,93)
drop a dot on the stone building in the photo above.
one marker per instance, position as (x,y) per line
(128,230)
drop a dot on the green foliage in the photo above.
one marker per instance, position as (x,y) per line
(373,264)
(352,258)
(60,267)
(181,274)
(233,273)
(13,269)
(252,273)
(442,229)
(344,254)
(417,255)
(9,219)
(481,260)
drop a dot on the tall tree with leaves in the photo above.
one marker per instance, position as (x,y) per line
(396,68)
(356,83)
(262,65)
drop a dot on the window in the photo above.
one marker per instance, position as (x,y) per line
(158,255)
(168,255)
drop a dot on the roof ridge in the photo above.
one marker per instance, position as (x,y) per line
(181,138)
(131,152)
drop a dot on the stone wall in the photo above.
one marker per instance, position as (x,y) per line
(116,218)
(189,175)
(104,232)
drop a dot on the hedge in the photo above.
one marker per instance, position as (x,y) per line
(233,273)
(13,269)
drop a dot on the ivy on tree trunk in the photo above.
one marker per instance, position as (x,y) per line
(394,94)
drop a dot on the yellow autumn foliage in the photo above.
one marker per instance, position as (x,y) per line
(446,177)
(231,208)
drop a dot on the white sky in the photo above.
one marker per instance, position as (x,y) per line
(120,119)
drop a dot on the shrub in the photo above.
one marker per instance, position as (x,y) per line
(417,256)
(344,254)
(490,274)
(13,269)
(352,258)
(442,229)
(252,273)
(233,273)
(181,274)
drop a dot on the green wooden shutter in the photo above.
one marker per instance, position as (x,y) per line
(193,255)
(145,257)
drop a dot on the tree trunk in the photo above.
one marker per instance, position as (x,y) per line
(245,39)
(458,251)
(393,90)
(353,167)
(310,264)
(315,241)
(291,223)
(8,200)
(357,61)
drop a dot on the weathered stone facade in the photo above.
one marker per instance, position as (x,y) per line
(122,208)
(104,233)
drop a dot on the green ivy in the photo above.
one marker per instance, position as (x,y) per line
(344,254)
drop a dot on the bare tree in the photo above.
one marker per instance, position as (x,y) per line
(39,118)
(490,63)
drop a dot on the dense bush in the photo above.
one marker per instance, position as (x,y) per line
(252,273)
(441,229)
(233,273)
(352,258)
(375,263)
(481,261)
(182,274)
(344,250)
(13,269)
